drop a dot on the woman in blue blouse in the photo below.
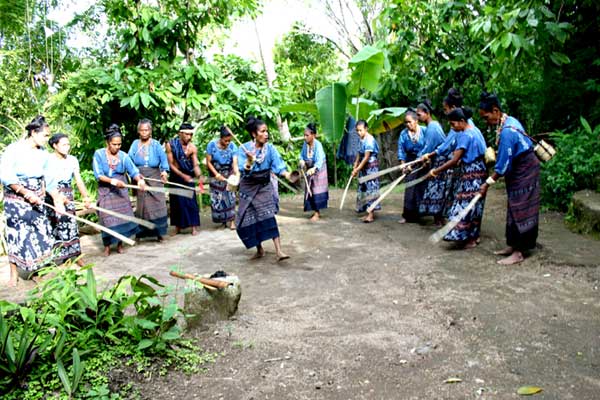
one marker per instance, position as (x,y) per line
(312,159)
(255,220)
(221,161)
(110,166)
(151,159)
(26,176)
(411,144)
(434,197)
(366,163)
(470,149)
(517,162)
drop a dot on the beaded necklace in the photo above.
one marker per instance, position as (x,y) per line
(112,161)
(500,126)
(414,137)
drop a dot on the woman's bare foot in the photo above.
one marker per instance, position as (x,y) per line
(471,244)
(194,231)
(315,217)
(260,252)
(160,239)
(504,252)
(80,262)
(515,258)
(14,276)
(402,221)
(120,249)
(282,256)
(177,230)
(232,225)
(106,251)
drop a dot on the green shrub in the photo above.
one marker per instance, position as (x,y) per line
(575,166)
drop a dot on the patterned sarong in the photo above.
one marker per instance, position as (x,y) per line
(115,199)
(152,206)
(255,220)
(65,229)
(318,184)
(523,191)
(29,237)
(414,194)
(184,212)
(437,191)
(222,202)
(472,177)
(368,192)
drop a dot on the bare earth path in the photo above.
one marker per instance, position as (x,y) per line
(375,311)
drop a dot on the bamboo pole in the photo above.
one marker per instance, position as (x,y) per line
(129,218)
(439,234)
(386,171)
(213,283)
(95,225)
(173,191)
(308,191)
(345,193)
(383,195)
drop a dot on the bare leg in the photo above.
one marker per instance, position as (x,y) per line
(260,252)
(106,251)
(504,252)
(232,225)
(14,276)
(280,254)
(177,230)
(120,249)
(194,230)
(515,258)
(316,216)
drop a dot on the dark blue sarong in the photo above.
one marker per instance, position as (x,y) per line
(184,211)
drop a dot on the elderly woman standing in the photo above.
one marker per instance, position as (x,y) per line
(151,159)
(366,163)
(255,220)
(221,161)
(25,174)
(64,167)
(110,166)
(312,159)
(411,143)
(470,149)
(517,162)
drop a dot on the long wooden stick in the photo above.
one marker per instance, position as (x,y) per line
(171,184)
(308,191)
(286,185)
(97,226)
(176,192)
(439,234)
(345,193)
(366,178)
(137,220)
(205,281)
(388,191)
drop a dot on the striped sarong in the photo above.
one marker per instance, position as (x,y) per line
(152,206)
(523,192)
(222,202)
(29,238)
(437,191)
(115,199)
(368,192)
(255,220)
(472,177)
(65,229)
(318,184)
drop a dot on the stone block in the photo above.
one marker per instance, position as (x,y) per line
(208,306)
(585,213)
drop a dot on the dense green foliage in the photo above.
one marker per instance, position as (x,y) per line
(70,333)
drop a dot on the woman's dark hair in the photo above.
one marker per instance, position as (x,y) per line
(36,125)
(253,123)
(186,126)
(363,123)
(56,138)
(426,106)
(454,98)
(487,101)
(312,128)
(144,121)
(460,114)
(112,131)
(410,113)
(225,131)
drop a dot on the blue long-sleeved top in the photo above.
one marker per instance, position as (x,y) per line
(266,158)
(434,137)
(472,144)
(448,145)
(152,156)
(407,146)
(20,161)
(512,143)
(222,156)
(125,164)
(318,155)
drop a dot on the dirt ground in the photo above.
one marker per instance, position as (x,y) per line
(375,311)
